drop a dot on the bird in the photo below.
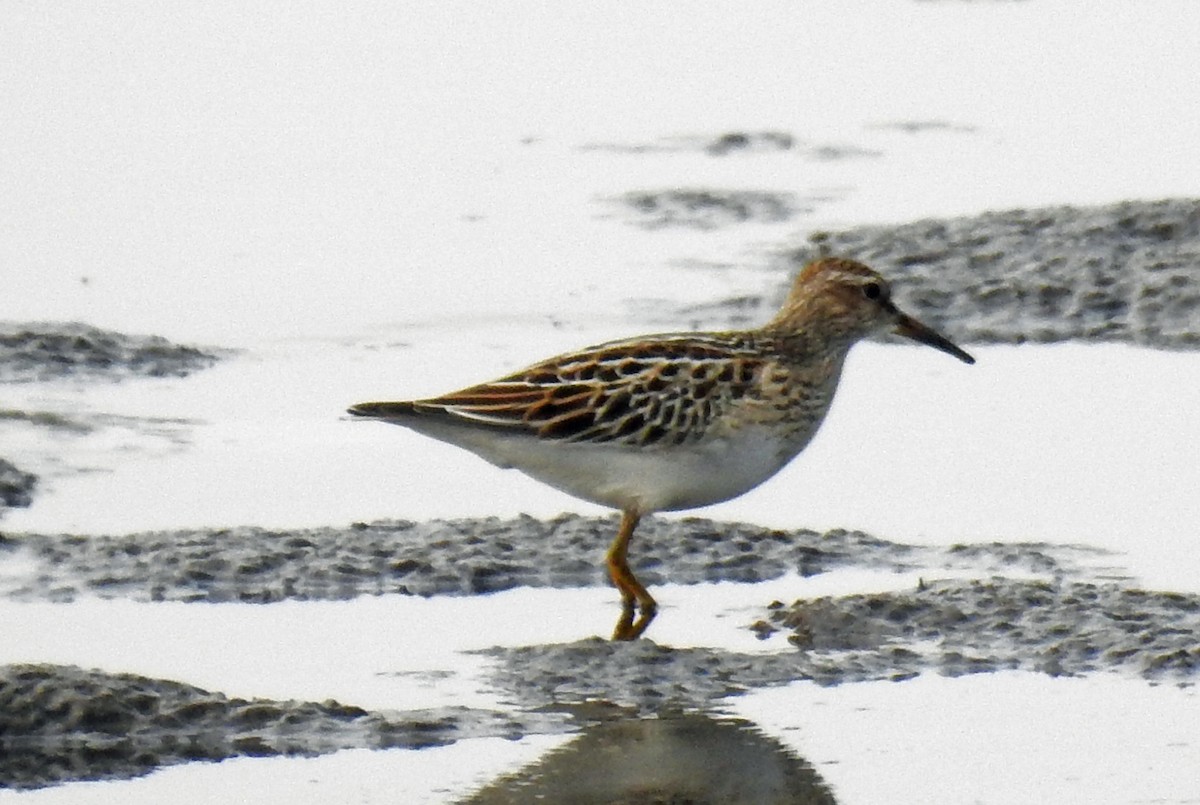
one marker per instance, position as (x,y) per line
(672,421)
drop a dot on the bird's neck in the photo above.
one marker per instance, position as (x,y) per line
(805,346)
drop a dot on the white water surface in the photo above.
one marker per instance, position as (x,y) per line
(396,199)
(236,171)
(994,739)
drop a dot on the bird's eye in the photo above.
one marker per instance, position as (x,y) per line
(873,290)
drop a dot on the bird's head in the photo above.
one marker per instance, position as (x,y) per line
(850,301)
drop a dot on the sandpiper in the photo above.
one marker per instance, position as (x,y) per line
(673,421)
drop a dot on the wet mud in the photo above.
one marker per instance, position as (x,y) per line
(950,628)
(470,556)
(61,723)
(49,351)
(706,208)
(16,485)
(41,351)
(985,607)
(1122,273)
(742,143)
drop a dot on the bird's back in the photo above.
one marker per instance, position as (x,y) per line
(675,421)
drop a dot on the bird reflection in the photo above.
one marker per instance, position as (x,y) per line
(680,759)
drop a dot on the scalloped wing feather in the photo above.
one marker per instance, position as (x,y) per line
(638,392)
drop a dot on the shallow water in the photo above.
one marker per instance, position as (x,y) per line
(242,176)
(993,451)
(401,201)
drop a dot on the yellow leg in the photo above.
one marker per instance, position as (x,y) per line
(633,595)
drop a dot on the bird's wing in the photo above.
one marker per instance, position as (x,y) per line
(664,390)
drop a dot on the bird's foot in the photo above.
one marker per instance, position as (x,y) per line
(634,621)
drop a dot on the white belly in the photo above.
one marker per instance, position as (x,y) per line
(650,480)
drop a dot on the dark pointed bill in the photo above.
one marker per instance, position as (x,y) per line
(909,327)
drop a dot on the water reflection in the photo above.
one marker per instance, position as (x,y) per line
(680,758)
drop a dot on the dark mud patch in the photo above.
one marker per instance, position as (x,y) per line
(926,126)
(1031,607)
(738,143)
(45,419)
(742,142)
(705,208)
(951,628)
(1124,273)
(62,723)
(715,145)
(956,627)
(16,486)
(462,557)
(48,351)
